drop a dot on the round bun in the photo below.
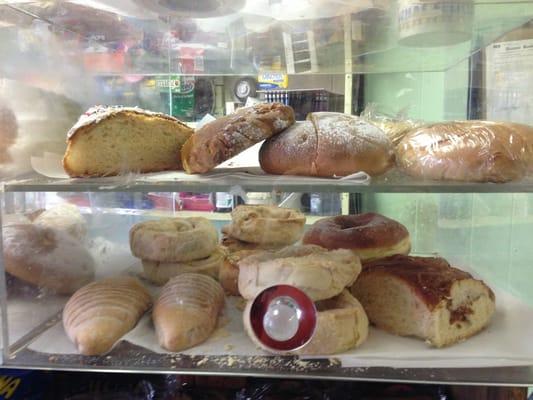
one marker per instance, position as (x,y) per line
(47,258)
(369,235)
(341,325)
(173,239)
(318,272)
(328,144)
(266,225)
(160,272)
(64,217)
(477,151)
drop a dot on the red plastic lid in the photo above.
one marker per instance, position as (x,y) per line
(283,318)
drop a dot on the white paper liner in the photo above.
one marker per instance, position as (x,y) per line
(244,166)
(505,342)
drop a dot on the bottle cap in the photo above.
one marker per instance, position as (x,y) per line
(283,318)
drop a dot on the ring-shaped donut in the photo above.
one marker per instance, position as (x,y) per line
(266,225)
(173,239)
(369,235)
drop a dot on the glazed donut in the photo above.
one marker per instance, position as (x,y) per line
(341,325)
(266,225)
(46,258)
(160,272)
(318,272)
(369,235)
(173,239)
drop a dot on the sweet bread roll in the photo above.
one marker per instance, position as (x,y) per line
(233,245)
(46,258)
(64,217)
(226,137)
(266,225)
(369,235)
(187,311)
(229,271)
(341,325)
(477,151)
(318,272)
(328,144)
(115,140)
(424,297)
(173,239)
(160,272)
(99,314)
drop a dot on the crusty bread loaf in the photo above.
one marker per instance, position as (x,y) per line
(270,225)
(173,239)
(318,272)
(226,137)
(160,272)
(424,297)
(328,144)
(233,245)
(65,218)
(46,258)
(187,310)
(477,151)
(341,325)
(99,314)
(115,140)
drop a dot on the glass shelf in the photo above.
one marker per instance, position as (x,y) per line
(393,182)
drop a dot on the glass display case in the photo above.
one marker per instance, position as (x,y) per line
(398,65)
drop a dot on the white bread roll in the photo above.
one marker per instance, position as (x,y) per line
(424,297)
(46,258)
(187,310)
(99,314)
(318,272)
(174,239)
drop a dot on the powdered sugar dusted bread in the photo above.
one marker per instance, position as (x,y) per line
(46,258)
(318,272)
(64,217)
(328,144)
(115,140)
(424,297)
(99,314)
(226,137)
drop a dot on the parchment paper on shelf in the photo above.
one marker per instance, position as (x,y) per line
(505,342)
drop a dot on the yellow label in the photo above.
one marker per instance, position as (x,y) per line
(272,79)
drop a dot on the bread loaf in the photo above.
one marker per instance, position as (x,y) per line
(114,140)
(99,314)
(318,272)
(228,275)
(226,137)
(424,297)
(46,258)
(328,144)
(187,310)
(477,151)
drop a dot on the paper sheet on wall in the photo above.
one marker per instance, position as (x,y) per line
(508,81)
